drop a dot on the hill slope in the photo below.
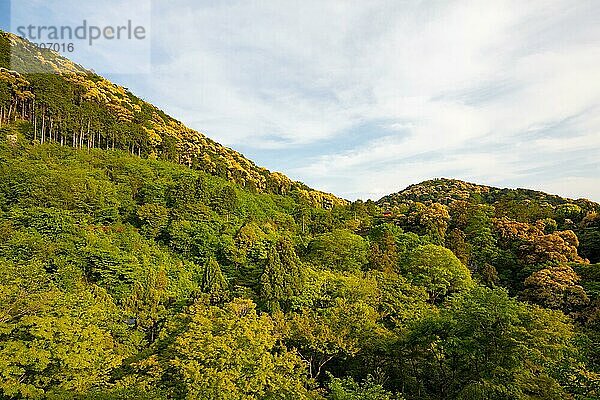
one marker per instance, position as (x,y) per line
(119,275)
(445,191)
(523,205)
(126,274)
(74,106)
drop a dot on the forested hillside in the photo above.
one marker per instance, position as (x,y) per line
(523,205)
(68,104)
(126,274)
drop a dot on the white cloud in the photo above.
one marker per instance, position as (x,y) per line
(504,92)
(572,186)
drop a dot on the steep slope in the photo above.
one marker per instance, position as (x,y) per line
(74,106)
(128,277)
(120,274)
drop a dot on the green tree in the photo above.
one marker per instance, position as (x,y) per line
(225,353)
(336,332)
(471,237)
(590,237)
(480,236)
(146,305)
(214,282)
(568,211)
(399,302)
(431,220)
(384,253)
(485,344)
(341,250)
(282,275)
(154,219)
(438,270)
(556,288)
(53,341)
(348,389)
(226,200)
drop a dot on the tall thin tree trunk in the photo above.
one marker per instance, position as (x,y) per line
(43,133)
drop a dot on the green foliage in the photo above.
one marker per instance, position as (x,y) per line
(401,302)
(335,332)
(110,250)
(146,304)
(569,211)
(51,340)
(70,105)
(431,221)
(214,282)
(484,344)
(154,219)
(438,270)
(282,275)
(384,254)
(590,237)
(340,250)
(590,278)
(225,353)
(118,266)
(348,389)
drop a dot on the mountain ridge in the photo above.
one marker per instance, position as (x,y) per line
(66,103)
(457,189)
(173,267)
(145,130)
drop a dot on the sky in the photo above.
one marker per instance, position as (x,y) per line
(365,98)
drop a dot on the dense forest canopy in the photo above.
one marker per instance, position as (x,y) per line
(141,260)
